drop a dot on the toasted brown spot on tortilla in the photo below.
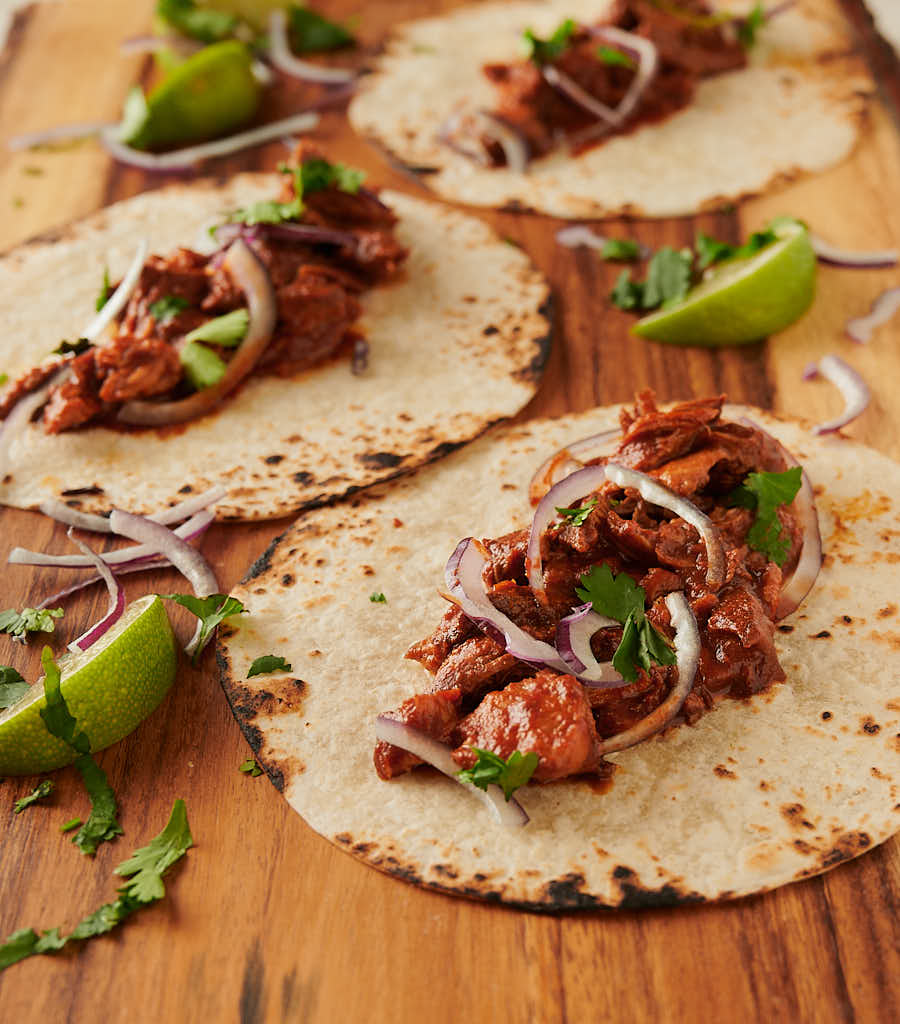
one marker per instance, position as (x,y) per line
(489,330)
(273,460)
(887,611)
(846,619)
(303,477)
(446,870)
(723,772)
(344,838)
(823,634)
(381,460)
(74,491)
(826,715)
(786,629)
(849,845)
(187,489)
(287,580)
(764,786)
(891,639)
(878,774)
(793,814)
(802,846)
(870,726)
(635,894)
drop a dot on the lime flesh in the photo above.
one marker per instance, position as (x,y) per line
(742,300)
(210,94)
(109,689)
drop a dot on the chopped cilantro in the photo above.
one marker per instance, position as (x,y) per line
(509,775)
(167,307)
(749,26)
(203,23)
(267,211)
(620,598)
(311,33)
(543,51)
(765,493)
(710,250)
(577,516)
(615,58)
(210,611)
(267,663)
(28,620)
(622,250)
(4,377)
(227,330)
(144,871)
(251,768)
(668,277)
(70,824)
(627,294)
(315,174)
(101,825)
(75,348)
(105,291)
(376,597)
(40,792)
(12,687)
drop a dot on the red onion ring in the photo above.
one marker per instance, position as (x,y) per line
(573,641)
(63,513)
(20,415)
(398,734)
(836,257)
(572,91)
(654,492)
(513,144)
(687,658)
(185,159)
(281,56)
(119,298)
(142,565)
(116,599)
(359,361)
(852,387)
(311,233)
(120,558)
(463,575)
(576,235)
(860,328)
(647,57)
(61,133)
(135,45)
(564,462)
(252,278)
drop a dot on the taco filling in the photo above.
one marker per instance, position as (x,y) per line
(658,561)
(586,83)
(278,296)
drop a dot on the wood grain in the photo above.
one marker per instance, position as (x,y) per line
(264,921)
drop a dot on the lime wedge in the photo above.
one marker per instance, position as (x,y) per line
(743,300)
(109,688)
(210,94)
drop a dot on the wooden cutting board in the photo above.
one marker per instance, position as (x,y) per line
(265,921)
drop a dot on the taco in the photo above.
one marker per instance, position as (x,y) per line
(282,357)
(761,751)
(580,108)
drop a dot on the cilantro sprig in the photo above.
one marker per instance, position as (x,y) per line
(543,51)
(577,516)
(668,280)
(615,58)
(251,768)
(12,687)
(144,872)
(40,792)
(765,493)
(491,769)
(106,290)
(749,26)
(267,663)
(28,620)
(711,250)
(311,33)
(311,175)
(620,598)
(167,308)
(210,611)
(204,23)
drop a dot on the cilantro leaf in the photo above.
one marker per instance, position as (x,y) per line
(210,611)
(620,598)
(627,294)
(267,211)
(766,493)
(315,174)
(311,33)
(614,58)
(40,792)
(146,868)
(168,307)
(376,597)
(250,767)
(543,51)
(749,26)
(509,775)
(227,330)
(203,23)
(29,620)
(12,687)
(668,277)
(101,825)
(710,250)
(106,290)
(622,250)
(267,663)
(75,348)
(577,516)
(4,377)
(70,824)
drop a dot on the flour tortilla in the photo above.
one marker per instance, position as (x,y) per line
(791,111)
(759,793)
(456,345)
(886,14)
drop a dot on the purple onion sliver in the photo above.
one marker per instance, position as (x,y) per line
(572,91)
(359,361)
(116,598)
(119,298)
(836,257)
(573,641)
(141,565)
(852,387)
(883,309)
(61,133)
(810,371)
(282,58)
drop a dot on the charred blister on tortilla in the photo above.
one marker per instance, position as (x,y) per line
(278,296)
(659,558)
(585,83)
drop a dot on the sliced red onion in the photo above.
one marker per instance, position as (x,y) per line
(647,61)
(568,87)
(135,45)
(122,557)
(187,560)
(116,598)
(466,587)
(562,495)
(564,462)
(687,658)
(860,328)
(63,513)
(262,72)
(20,415)
(308,233)
(852,387)
(510,813)
(281,56)
(654,492)
(831,254)
(141,565)
(253,280)
(119,298)
(185,159)
(61,133)
(359,361)
(512,142)
(573,641)
(580,234)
